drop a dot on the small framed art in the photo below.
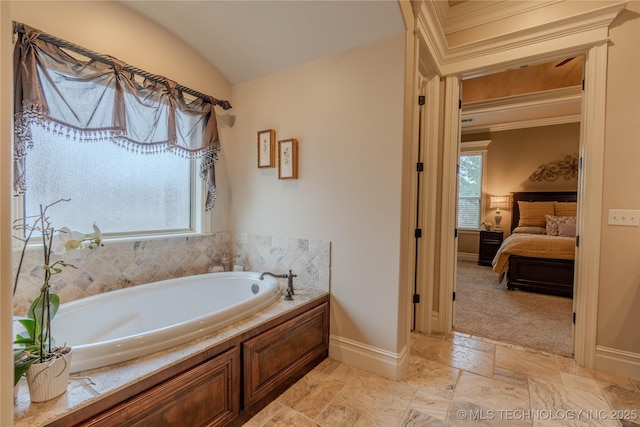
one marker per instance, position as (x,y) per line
(288,159)
(266,148)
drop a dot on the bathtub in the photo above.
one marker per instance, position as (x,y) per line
(124,324)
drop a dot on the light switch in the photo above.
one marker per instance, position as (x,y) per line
(624,217)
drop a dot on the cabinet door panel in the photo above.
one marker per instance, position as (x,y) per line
(272,356)
(206,395)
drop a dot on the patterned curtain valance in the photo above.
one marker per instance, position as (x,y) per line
(91,100)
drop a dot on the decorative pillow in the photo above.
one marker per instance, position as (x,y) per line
(532,214)
(530,230)
(566,230)
(565,208)
(554,221)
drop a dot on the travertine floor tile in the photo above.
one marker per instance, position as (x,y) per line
(460,357)
(622,398)
(431,377)
(533,364)
(489,400)
(471,342)
(459,380)
(554,404)
(338,415)
(311,394)
(265,415)
(287,417)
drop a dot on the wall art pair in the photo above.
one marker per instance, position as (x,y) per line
(287,154)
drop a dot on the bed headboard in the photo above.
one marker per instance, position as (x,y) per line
(538,196)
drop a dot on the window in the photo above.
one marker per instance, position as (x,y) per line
(119,143)
(470,184)
(124,192)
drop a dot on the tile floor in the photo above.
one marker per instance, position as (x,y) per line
(459,380)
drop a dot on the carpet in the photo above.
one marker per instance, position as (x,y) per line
(485,308)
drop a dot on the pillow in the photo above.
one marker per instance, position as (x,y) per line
(530,230)
(566,230)
(565,208)
(554,221)
(532,214)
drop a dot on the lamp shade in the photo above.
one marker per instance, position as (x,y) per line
(499,202)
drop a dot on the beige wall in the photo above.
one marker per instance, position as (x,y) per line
(347,113)
(515,154)
(619,296)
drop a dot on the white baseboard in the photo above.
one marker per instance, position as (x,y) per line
(371,359)
(467,256)
(618,362)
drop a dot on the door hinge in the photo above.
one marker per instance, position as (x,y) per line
(416,298)
(580,163)
(421,100)
(458,169)
(420,166)
(417,233)
(577,241)
(582,84)
(459,104)
(455,232)
(574,318)
(454,296)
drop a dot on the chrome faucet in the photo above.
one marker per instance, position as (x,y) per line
(289,293)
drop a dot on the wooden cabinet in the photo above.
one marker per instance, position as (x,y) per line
(203,396)
(214,387)
(271,357)
(490,242)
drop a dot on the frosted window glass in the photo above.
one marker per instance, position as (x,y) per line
(122,191)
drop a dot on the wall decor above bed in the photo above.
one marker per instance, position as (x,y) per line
(566,168)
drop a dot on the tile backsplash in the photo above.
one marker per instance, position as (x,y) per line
(125,263)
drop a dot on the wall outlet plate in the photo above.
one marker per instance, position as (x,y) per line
(624,217)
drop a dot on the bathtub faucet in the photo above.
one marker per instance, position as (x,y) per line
(277,276)
(289,293)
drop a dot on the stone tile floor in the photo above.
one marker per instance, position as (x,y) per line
(459,380)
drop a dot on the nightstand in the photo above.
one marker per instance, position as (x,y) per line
(490,241)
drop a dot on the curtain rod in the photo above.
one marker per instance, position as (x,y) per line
(19,28)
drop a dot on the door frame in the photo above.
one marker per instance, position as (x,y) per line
(589,187)
(589,215)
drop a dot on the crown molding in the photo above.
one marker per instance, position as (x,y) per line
(569,97)
(566,35)
(475,14)
(522,124)
(531,99)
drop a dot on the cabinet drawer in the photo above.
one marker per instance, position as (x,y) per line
(273,356)
(206,395)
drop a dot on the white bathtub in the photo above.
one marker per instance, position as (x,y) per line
(128,323)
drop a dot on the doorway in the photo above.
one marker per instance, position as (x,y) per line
(512,124)
(439,305)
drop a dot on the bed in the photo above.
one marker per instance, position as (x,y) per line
(531,260)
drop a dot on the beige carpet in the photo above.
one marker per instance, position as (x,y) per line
(485,308)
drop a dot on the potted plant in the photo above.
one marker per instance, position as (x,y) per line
(35,352)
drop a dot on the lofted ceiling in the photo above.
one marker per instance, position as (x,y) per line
(246,40)
(249,39)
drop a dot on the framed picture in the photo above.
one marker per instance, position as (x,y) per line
(288,159)
(266,148)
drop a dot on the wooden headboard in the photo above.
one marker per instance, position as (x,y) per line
(538,196)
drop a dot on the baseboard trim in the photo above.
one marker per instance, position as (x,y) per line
(467,256)
(371,359)
(618,362)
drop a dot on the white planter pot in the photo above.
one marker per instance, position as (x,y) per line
(49,379)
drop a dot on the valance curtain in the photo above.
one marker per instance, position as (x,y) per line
(89,100)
